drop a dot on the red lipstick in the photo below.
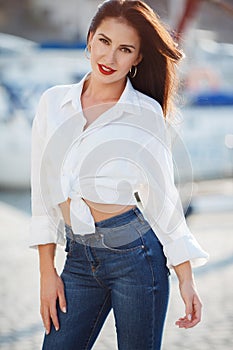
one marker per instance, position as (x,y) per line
(105,69)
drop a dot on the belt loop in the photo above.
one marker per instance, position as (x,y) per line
(138,214)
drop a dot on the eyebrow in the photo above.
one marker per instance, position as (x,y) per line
(125,45)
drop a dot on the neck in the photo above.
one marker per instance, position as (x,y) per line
(100,92)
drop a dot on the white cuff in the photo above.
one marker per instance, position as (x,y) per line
(184,249)
(44,230)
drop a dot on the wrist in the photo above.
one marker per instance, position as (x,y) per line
(184,273)
(48,271)
(187,283)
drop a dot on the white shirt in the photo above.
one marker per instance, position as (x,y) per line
(125,150)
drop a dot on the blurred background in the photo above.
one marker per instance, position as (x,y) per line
(42,44)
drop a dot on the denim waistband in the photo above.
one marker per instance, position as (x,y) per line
(113,224)
(120,219)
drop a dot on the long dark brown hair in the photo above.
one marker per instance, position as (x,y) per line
(156,73)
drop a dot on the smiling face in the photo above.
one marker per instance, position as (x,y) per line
(115,48)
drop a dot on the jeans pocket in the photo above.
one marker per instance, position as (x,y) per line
(124,241)
(154,251)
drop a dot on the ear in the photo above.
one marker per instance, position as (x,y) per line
(138,60)
(90,37)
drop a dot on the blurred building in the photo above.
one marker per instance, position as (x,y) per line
(47,20)
(53,20)
(70,18)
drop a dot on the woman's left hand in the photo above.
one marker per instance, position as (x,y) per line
(193,305)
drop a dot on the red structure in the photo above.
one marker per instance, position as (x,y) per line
(190,10)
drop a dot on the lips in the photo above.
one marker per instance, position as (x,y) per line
(105,69)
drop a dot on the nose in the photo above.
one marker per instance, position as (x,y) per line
(110,56)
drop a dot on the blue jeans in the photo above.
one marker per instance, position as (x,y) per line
(101,273)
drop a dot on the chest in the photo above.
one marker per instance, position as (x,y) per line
(110,150)
(92,113)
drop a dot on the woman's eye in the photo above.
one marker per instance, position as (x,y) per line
(126,49)
(104,41)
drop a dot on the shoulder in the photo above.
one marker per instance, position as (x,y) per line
(56,92)
(48,111)
(153,116)
(149,103)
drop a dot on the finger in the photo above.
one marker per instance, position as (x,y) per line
(180,319)
(46,319)
(197,306)
(194,322)
(191,324)
(184,323)
(53,315)
(62,300)
(189,309)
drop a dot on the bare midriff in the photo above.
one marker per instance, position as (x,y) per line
(99,211)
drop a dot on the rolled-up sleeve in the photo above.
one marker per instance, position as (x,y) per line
(46,224)
(161,203)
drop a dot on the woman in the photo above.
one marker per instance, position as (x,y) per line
(94,145)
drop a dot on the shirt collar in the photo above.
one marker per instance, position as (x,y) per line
(73,95)
(128,102)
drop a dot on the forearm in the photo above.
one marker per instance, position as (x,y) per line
(46,256)
(184,272)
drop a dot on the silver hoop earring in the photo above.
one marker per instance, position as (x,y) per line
(133,74)
(87,53)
